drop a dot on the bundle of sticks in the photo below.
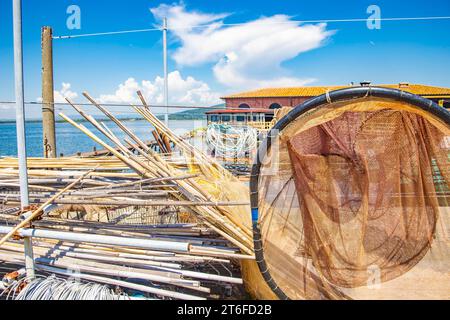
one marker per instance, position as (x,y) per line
(225,220)
(136,189)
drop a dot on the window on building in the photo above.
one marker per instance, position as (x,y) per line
(275,106)
(240,118)
(226,118)
(244,106)
(214,118)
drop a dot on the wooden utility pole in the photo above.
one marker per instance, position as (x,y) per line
(48,107)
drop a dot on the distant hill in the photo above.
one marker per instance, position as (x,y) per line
(192,114)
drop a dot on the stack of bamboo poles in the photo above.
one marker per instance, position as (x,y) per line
(222,220)
(134,186)
(105,163)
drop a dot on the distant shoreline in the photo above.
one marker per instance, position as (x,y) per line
(193,114)
(102,119)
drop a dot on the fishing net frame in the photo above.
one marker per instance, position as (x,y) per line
(418,103)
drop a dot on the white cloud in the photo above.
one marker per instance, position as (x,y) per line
(65,92)
(7,106)
(60,96)
(182,91)
(245,55)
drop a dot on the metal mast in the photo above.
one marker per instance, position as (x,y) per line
(166,82)
(20,125)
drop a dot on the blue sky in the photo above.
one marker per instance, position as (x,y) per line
(208,64)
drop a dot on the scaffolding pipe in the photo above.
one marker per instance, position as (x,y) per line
(20,125)
(100,239)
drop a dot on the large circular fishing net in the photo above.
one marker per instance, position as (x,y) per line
(349,198)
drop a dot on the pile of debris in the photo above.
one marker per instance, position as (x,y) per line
(135,221)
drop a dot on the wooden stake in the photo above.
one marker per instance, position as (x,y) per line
(48,108)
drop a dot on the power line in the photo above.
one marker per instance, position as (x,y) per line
(105,33)
(104,104)
(117,105)
(245,23)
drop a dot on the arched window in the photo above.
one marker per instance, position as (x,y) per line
(275,106)
(244,106)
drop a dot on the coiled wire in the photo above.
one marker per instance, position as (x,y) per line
(54,288)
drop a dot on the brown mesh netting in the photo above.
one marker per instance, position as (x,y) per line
(357,205)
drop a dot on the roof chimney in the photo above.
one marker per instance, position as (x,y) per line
(365,83)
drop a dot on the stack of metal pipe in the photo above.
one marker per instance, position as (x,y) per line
(134,221)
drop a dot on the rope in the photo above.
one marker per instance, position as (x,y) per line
(327,95)
(229,141)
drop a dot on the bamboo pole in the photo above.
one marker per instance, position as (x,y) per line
(155,159)
(39,210)
(135,166)
(117,122)
(158,166)
(240,227)
(208,214)
(210,163)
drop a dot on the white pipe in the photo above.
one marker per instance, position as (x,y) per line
(45,211)
(126,284)
(20,105)
(29,257)
(112,270)
(121,273)
(20,125)
(206,276)
(100,239)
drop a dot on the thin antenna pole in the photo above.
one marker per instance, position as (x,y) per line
(20,124)
(166,82)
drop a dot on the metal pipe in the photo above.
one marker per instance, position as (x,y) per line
(20,125)
(126,284)
(20,106)
(166,81)
(100,239)
(29,256)
(45,211)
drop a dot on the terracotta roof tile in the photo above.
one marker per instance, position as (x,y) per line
(418,89)
(254,110)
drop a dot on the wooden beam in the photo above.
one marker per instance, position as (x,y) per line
(48,108)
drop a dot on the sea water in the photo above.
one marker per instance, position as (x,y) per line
(71,140)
